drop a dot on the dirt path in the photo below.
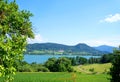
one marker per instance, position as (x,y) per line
(82,70)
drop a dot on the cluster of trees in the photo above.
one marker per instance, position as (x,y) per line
(106,58)
(23,66)
(59,65)
(52,65)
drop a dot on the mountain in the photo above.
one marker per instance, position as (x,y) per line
(54,48)
(105,48)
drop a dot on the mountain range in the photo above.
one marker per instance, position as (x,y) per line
(105,48)
(79,49)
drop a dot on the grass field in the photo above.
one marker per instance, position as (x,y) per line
(93,68)
(60,77)
(83,74)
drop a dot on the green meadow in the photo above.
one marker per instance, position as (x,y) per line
(93,68)
(82,74)
(60,77)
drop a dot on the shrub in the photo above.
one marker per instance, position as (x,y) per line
(91,69)
(42,69)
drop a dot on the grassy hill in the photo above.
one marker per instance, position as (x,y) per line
(93,68)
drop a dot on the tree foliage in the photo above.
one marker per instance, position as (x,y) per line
(23,66)
(59,65)
(107,58)
(15,28)
(50,64)
(115,69)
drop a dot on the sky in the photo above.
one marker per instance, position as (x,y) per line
(94,22)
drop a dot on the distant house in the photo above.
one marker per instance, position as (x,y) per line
(61,51)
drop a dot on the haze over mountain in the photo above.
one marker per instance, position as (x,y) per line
(54,48)
(105,48)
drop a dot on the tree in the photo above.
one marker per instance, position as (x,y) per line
(115,69)
(82,60)
(50,64)
(73,61)
(15,28)
(63,64)
(91,60)
(106,58)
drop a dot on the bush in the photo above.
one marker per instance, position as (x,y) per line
(70,69)
(34,67)
(42,69)
(91,70)
(25,68)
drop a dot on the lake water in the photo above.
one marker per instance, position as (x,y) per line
(44,58)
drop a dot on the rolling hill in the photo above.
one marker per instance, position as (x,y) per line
(54,48)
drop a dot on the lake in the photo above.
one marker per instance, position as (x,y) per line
(43,58)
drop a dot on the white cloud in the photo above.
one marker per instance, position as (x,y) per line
(112,18)
(37,39)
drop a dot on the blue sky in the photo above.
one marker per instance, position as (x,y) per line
(94,22)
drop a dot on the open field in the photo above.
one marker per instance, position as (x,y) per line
(85,73)
(60,77)
(93,68)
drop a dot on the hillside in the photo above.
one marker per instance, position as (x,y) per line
(105,48)
(53,48)
(93,68)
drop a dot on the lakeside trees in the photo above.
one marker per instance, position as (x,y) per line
(61,64)
(15,28)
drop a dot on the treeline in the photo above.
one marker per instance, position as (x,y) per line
(106,58)
(62,64)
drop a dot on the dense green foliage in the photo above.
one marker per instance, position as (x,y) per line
(115,69)
(106,58)
(33,67)
(15,28)
(59,65)
(53,48)
(59,77)
(78,60)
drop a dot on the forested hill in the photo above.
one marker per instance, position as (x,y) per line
(53,48)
